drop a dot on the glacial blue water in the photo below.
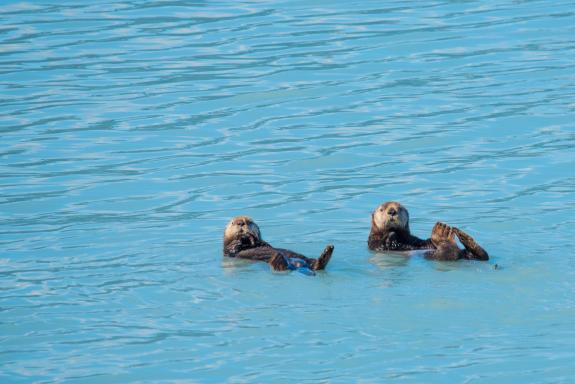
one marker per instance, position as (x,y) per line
(132,131)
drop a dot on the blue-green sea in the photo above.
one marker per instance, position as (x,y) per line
(132,131)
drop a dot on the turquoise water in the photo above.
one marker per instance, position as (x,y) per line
(132,131)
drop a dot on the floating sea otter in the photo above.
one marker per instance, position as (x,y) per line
(242,239)
(390,232)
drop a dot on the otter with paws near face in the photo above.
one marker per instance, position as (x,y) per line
(390,232)
(242,239)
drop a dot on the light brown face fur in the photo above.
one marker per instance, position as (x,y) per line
(239,226)
(390,215)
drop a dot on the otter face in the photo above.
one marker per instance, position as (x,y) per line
(390,215)
(241,226)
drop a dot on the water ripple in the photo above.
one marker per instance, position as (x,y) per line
(132,131)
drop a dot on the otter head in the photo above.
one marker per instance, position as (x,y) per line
(390,215)
(241,226)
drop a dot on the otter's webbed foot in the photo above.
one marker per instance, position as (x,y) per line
(443,238)
(474,251)
(324,258)
(442,232)
(278,262)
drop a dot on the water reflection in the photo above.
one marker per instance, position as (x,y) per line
(390,259)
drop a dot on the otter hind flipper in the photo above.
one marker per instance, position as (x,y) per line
(443,238)
(323,259)
(474,250)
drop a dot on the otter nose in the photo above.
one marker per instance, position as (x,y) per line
(241,224)
(391,212)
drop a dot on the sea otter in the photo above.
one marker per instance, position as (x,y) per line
(390,232)
(242,239)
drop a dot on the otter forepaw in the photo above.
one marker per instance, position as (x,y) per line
(391,241)
(278,262)
(324,258)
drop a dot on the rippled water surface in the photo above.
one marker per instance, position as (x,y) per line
(132,131)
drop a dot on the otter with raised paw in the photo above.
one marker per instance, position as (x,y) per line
(390,232)
(443,238)
(242,239)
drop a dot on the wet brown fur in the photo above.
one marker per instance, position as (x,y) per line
(242,239)
(390,232)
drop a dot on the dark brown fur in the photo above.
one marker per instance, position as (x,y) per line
(242,239)
(390,232)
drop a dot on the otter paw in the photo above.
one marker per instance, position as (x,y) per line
(471,246)
(278,262)
(442,232)
(324,258)
(391,241)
